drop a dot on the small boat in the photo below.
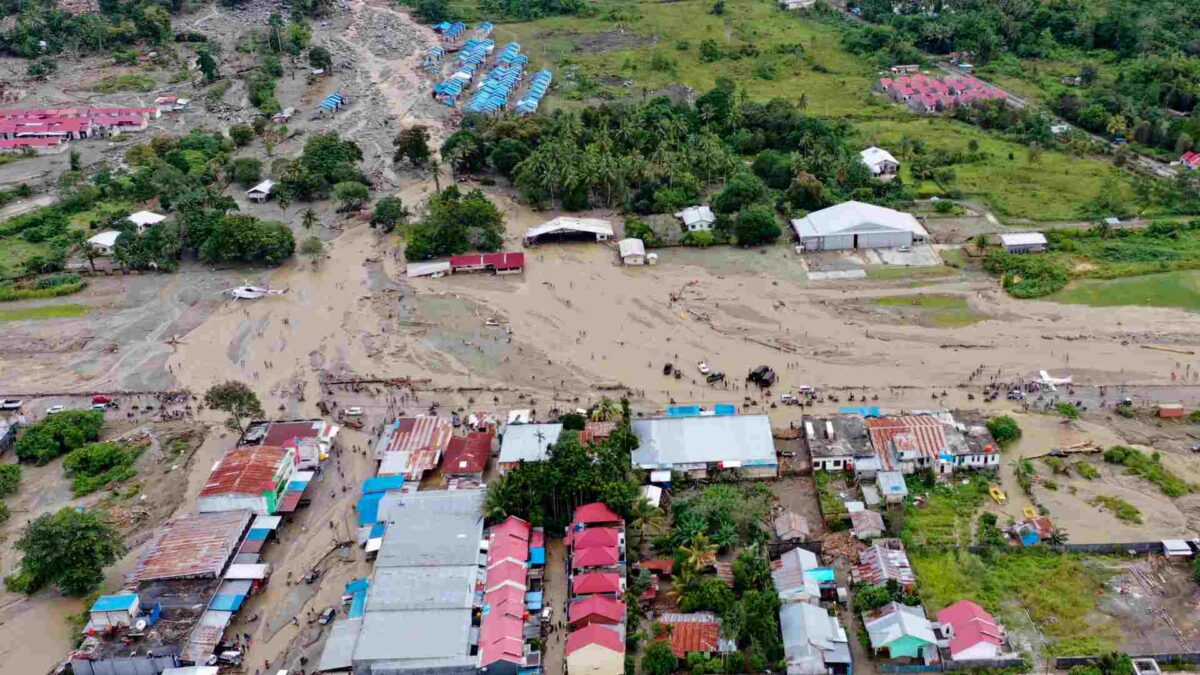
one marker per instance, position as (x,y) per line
(997,494)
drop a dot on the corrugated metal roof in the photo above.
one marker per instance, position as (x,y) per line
(668,441)
(247,470)
(196,545)
(467,454)
(695,632)
(420,440)
(528,442)
(922,434)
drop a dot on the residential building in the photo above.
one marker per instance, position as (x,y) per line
(418,612)
(1023,242)
(695,633)
(632,251)
(411,446)
(603,583)
(907,443)
(506,620)
(596,650)
(884,561)
(568,228)
(500,262)
(793,581)
(105,242)
(261,192)
(900,631)
(38,146)
(969,633)
(250,479)
(697,218)
(111,611)
(143,219)
(467,456)
(927,94)
(309,440)
(866,525)
(526,443)
(699,446)
(855,225)
(880,162)
(892,487)
(837,442)
(790,525)
(797,4)
(595,609)
(814,642)
(906,69)
(1190,160)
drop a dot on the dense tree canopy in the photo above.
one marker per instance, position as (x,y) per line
(456,223)
(68,549)
(58,434)
(238,400)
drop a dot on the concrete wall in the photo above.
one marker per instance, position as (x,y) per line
(221,503)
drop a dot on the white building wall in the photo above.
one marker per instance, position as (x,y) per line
(222,503)
(837,242)
(981,650)
(885,239)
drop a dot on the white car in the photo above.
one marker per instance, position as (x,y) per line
(704,369)
(904,249)
(55,409)
(353,412)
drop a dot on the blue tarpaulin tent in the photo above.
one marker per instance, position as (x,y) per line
(368,508)
(537,556)
(226,603)
(382,484)
(865,411)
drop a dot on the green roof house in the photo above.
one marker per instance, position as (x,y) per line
(901,630)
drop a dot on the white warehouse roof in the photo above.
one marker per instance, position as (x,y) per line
(107,239)
(630,247)
(144,218)
(874,156)
(696,214)
(528,442)
(741,440)
(571,224)
(856,218)
(264,187)
(1023,239)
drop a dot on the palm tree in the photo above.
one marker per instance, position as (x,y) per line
(309,219)
(284,202)
(646,516)
(606,410)
(680,584)
(700,552)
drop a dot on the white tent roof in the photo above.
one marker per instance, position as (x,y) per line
(652,494)
(630,247)
(107,239)
(874,156)
(144,218)
(856,218)
(571,224)
(1023,239)
(696,214)
(424,269)
(264,187)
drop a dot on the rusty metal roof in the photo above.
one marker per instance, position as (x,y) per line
(421,440)
(247,470)
(196,545)
(920,434)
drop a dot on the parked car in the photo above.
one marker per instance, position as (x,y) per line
(788,399)
(1016,395)
(327,616)
(55,409)
(1196,448)
(757,374)
(101,398)
(11,404)
(715,377)
(806,390)
(547,614)
(99,406)
(353,412)
(904,249)
(703,367)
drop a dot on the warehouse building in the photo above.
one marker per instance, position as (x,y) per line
(701,445)
(1023,242)
(855,225)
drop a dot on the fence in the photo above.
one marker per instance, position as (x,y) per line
(1067,662)
(974,664)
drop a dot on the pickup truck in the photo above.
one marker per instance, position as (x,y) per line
(11,404)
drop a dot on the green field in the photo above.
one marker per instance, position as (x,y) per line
(941,311)
(1056,187)
(596,56)
(71,311)
(1170,289)
(1060,591)
(14,251)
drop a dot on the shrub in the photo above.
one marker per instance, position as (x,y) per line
(1150,468)
(1120,508)
(97,465)
(702,239)
(1004,429)
(241,134)
(58,435)
(1067,410)
(10,479)
(1087,471)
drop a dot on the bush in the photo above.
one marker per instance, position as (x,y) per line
(1067,410)
(1004,430)
(1150,468)
(247,171)
(637,228)
(241,134)
(572,421)
(1087,471)
(247,239)
(701,238)
(658,659)
(59,434)
(98,465)
(10,479)
(756,225)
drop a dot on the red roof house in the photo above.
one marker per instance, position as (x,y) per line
(596,536)
(596,556)
(467,455)
(505,573)
(698,632)
(508,548)
(596,609)
(249,478)
(596,513)
(596,582)
(974,634)
(595,634)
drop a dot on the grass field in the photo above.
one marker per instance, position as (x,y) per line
(1060,591)
(651,45)
(14,251)
(941,311)
(70,311)
(1169,289)
(1056,187)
